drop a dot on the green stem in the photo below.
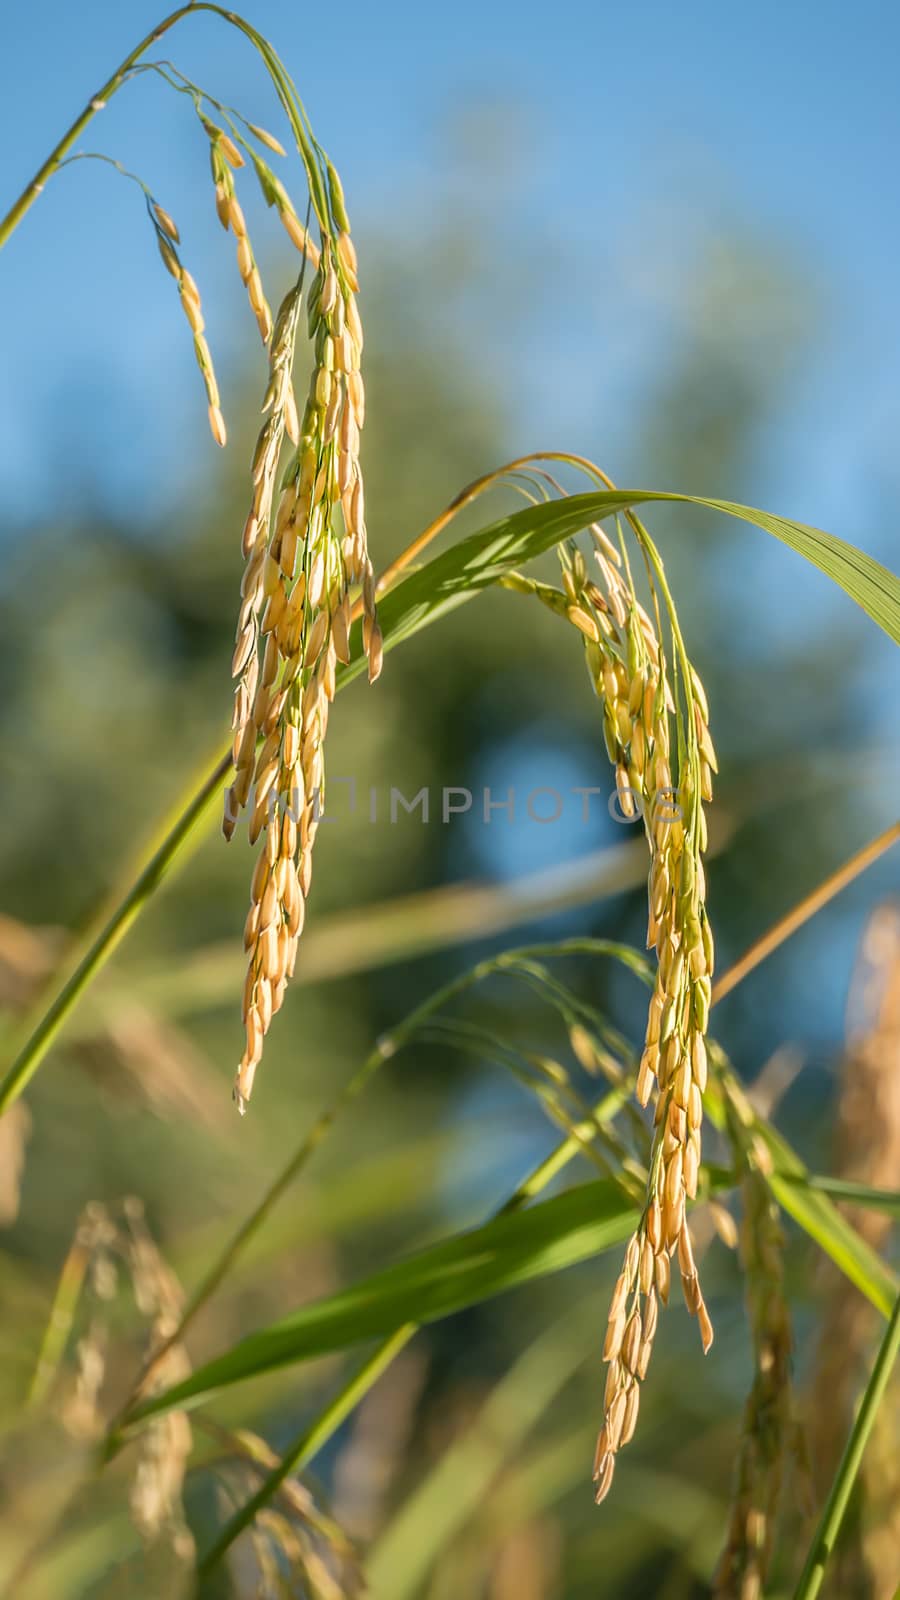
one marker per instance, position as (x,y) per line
(59,1322)
(310,1441)
(98,101)
(832,1516)
(97,948)
(284,88)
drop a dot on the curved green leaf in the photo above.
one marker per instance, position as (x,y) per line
(483,558)
(850,1193)
(804,1200)
(444,1278)
(509,1250)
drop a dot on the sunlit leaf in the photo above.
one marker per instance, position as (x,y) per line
(483,558)
(435,1282)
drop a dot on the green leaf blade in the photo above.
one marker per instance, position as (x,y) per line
(447,1277)
(483,558)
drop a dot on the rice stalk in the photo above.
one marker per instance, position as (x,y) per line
(828,1529)
(867,1150)
(673,1066)
(626,660)
(767,1428)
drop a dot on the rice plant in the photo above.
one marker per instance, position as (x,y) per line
(311,618)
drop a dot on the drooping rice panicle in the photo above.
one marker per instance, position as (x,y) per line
(303,557)
(626,659)
(294,625)
(293,1539)
(667,783)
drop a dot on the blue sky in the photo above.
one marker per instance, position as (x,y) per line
(639,129)
(618,139)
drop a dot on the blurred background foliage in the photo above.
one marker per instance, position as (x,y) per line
(115,637)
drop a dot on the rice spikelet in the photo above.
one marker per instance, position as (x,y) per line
(189,295)
(222,152)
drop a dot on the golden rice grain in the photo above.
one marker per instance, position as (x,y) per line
(217,426)
(268,139)
(298,234)
(166,223)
